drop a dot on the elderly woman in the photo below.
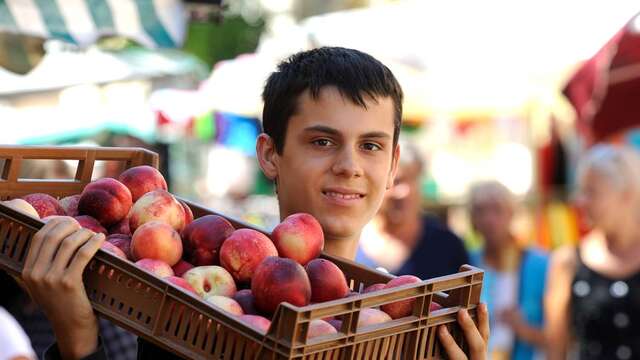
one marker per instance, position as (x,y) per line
(514,276)
(593,301)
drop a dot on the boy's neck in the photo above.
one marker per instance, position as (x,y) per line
(343,247)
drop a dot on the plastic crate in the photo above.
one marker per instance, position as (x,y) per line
(185,325)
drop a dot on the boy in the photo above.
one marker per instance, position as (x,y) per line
(331,123)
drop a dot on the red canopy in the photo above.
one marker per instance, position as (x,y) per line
(605,91)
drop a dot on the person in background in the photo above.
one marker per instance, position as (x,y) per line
(402,238)
(514,280)
(593,301)
(14,343)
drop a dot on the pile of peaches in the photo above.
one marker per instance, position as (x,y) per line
(241,271)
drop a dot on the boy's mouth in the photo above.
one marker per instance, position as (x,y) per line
(342,194)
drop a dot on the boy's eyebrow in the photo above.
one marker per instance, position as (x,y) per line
(332,131)
(323,129)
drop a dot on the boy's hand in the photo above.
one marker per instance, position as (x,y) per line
(52,274)
(477,337)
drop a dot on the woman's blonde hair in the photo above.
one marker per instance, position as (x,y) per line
(620,164)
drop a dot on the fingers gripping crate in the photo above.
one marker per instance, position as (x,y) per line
(185,325)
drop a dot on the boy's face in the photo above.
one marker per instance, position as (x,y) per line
(337,162)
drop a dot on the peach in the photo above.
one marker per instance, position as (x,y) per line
(400,308)
(107,200)
(157,267)
(337,324)
(374,287)
(299,237)
(188,214)
(70,204)
(141,180)
(44,204)
(157,205)
(121,227)
(90,223)
(259,322)
(327,280)
(225,303)
(279,280)
(369,316)
(247,301)
(121,241)
(203,238)
(181,283)
(109,247)
(156,240)
(319,327)
(211,280)
(243,251)
(182,267)
(22,206)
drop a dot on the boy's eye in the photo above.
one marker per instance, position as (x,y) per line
(322,142)
(371,147)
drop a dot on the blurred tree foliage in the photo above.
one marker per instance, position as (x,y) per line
(213,42)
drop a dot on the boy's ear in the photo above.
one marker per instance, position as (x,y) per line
(394,167)
(267,156)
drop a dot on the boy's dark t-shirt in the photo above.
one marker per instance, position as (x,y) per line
(438,252)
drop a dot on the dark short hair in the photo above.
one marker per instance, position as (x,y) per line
(355,74)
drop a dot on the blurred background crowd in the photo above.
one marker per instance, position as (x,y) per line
(519,139)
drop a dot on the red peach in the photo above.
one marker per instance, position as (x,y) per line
(122,241)
(259,322)
(279,280)
(121,227)
(225,303)
(327,280)
(319,327)
(22,206)
(107,246)
(157,205)
(141,180)
(203,238)
(247,301)
(337,324)
(369,316)
(156,240)
(374,287)
(182,283)
(45,205)
(188,214)
(158,268)
(400,308)
(90,223)
(299,237)
(243,251)
(70,204)
(107,200)
(211,280)
(182,267)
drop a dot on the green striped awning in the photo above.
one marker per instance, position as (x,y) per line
(153,23)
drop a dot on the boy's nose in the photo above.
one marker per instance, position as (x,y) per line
(346,165)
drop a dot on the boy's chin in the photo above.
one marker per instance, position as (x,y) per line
(340,228)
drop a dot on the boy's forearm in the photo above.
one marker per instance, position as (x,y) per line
(77,344)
